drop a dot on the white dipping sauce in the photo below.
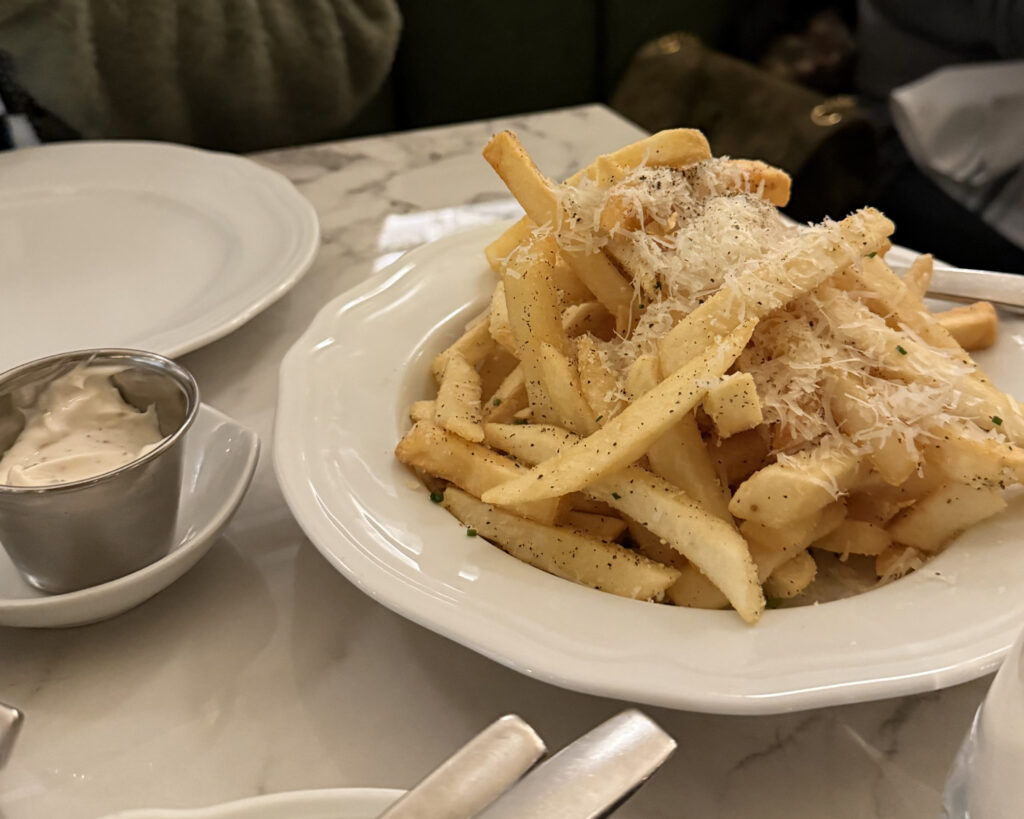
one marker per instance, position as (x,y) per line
(80,427)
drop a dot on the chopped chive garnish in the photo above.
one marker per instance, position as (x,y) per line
(599,417)
(436,497)
(519,421)
(496,402)
(872,254)
(616,495)
(900,350)
(997,420)
(471,533)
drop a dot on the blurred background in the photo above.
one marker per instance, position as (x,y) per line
(803,84)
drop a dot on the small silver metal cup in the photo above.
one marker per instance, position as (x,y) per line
(74,535)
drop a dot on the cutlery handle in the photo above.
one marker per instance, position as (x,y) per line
(591,777)
(1004,290)
(473,776)
(10,724)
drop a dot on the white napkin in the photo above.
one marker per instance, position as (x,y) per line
(964,122)
(964,127)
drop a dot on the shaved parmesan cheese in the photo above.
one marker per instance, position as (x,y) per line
(687,234)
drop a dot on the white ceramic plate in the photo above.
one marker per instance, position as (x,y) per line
(341,803)
(344,390)
(219,460)
(143,245)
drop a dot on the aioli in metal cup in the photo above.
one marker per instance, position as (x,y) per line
(68,536)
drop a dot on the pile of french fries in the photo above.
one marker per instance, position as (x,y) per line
(676,396)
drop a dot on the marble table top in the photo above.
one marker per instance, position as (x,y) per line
(264,670)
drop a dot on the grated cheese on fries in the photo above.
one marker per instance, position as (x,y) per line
(660,274)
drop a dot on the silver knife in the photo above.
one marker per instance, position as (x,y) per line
(1005,290)
(473,776)
(591,777)
(10,724)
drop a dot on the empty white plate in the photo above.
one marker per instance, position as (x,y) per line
(219,460)
(143,245)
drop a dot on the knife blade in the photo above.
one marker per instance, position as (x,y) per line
(1005,290)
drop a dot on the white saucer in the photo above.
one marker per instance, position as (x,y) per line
(169,247)
(339,803)
(219,460)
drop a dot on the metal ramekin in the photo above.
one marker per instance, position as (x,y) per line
(73,535)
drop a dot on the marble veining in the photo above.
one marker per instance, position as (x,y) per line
(263,670)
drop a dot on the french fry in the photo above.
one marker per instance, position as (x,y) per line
(852,409)
(422,411)
(469,466)
(629,434)
(855,537)
(766,181)
(498,251)
(498,323)
(900,356)
(675,148)
(588,318)
(563,552)
(885,294)
(873,507)
(771,547)
(539,199)
(711,544)
(975,461)
(695,591)
(738,457)
(733,404)
(597,382)
(934,520)
(896,561)
(642,377)
(495,369)
(457,408)
(580,502)
(824,251)
(603,527)
(892,298)
(570,288)
(474,345)
(974,326)
(658,549)
(508,399)
(679,455)
(534,315)
(562,387)
(692,589)
(792,577)
(796,487)
(918,277)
